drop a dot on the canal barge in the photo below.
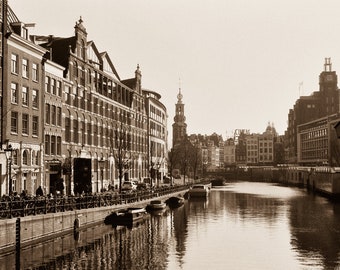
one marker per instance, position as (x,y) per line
(199,190)
(175,201)
(126,217)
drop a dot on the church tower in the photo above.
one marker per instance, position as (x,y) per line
(179,127)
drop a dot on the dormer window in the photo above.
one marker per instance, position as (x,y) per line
(24,33)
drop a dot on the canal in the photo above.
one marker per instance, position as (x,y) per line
(243,225)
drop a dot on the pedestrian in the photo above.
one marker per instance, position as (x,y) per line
(39,191)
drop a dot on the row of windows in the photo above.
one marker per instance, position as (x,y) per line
(25,67)
(315,154)
(26,127)
(157,130)
(53,86)
(157,114)
(102,84)
(92,134)
(255,153)
(315,144)
(52,145)
(27,158)
(93,104)
(27,98)
(53,115)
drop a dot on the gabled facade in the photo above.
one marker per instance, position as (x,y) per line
(97,104)
(21,109)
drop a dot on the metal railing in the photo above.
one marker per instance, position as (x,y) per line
(16,206)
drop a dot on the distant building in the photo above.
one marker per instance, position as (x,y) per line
(252,143)
(229,152)
(179,127)
(317,142)
(308,108)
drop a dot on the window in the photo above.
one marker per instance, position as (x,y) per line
(53,85)
(14,122)
(59,115)
(25,68)
(48,112)
(35,125)
(24,96)
(58,145)
(47,84)
(35,74)
(47,144)
(14,93)
(25,124)
(67,129)
(35,98)
(53,145)
(14,63)
(24,157)
(75,131)
(59,88)
(89,133)
(53,115)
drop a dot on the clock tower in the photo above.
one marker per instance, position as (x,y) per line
(328,90)
(179,127)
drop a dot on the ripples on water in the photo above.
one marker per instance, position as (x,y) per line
(240,226)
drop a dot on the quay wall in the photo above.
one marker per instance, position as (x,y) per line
(323,180)
(39,228)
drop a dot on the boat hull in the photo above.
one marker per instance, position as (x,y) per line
(126,217)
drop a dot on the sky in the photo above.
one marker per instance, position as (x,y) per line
(240,64)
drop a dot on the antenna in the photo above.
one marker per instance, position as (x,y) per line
(301,89)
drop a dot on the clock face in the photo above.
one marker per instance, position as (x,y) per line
(329,78)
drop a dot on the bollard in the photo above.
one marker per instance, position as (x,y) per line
(17,243)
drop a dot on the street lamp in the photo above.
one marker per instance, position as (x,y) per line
(158,165)
(9,151)
(101,165)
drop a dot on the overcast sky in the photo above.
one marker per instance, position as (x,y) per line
(240,62)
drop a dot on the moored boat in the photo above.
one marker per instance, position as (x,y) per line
(126,217)
(198,190)
(155,205)
(218,182)
(175,201)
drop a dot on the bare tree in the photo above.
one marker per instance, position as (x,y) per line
(121,151)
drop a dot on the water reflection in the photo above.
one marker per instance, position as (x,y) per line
(239,226)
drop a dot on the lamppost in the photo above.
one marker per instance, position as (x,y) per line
(158,165)
(9,163)
(101,166)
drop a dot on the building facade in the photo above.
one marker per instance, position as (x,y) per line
(157,136)
(317,142)
(22,110)
(308,108)
(70,124)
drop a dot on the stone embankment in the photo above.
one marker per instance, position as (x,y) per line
(28,230)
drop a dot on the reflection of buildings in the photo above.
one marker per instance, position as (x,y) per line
(315,230)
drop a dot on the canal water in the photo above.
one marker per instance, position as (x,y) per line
(242,225)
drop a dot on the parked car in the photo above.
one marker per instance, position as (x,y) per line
(129,185)
(143,186)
